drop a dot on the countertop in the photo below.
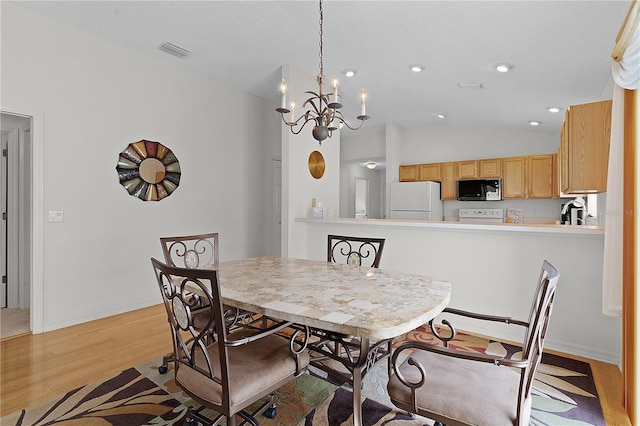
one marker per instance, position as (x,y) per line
(471,226)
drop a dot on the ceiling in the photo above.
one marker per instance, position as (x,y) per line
(561,51)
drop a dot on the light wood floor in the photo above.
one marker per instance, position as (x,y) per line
(36,368)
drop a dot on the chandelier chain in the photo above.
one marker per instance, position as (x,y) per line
(321,21)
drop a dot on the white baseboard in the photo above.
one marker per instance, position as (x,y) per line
(99,315)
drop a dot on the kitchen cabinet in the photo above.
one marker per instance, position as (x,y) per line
(409,173)
(584,148)
(449,172)
(468,169)
(429,172)
(533,176)
(513,179)
(490,168)
(539,176)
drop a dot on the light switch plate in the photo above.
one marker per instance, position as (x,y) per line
(56,216)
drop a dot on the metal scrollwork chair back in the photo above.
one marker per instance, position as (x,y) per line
(360,251)
(191,251)
(327,347)
(457,387)
(234,370)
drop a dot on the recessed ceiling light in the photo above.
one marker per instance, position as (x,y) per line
(349,73)
(554,109)
(441,116)
(504,67)
(535,123)
(416,67)
(371,165)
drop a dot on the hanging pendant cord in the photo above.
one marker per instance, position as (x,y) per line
(321,75)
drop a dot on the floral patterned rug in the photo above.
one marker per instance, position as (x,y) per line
(565,394)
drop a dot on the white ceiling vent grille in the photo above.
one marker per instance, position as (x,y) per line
(471,85)
(174,50)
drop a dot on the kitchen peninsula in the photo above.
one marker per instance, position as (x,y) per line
(492,268)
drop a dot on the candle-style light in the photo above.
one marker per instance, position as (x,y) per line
(283,90)
(363,99)
(322,109)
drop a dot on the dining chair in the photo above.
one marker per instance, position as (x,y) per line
(193,252)
(328,347)
(235,370)
(360,251)
(457,387)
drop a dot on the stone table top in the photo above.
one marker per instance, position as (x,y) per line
(358,301)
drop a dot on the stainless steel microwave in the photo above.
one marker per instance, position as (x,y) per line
(479,190)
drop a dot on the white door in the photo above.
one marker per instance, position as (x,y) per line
(276,246)
(15,204)
(362,198)
(3,221)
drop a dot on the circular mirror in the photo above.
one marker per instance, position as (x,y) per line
(148,170)
(152,170)
(316,164)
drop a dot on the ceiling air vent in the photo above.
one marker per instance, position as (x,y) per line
(174,50)
(471,85)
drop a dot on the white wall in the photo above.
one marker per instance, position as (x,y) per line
(363,145)
(96,98)
(495,272)
(438,142)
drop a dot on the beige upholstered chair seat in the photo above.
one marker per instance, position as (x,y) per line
(464,388)
(460,390)
(247,372)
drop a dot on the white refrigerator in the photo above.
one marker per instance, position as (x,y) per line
(415,200)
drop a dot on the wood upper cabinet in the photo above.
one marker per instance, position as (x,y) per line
(584,148)
(513,178)
(490,168)
(468,169)
(409,173)
(429,172)
(540,176)
(533,176)
(449,172)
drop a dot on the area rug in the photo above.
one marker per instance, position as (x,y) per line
(565,395)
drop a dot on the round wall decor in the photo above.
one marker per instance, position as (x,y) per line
(148,170)
(316,164)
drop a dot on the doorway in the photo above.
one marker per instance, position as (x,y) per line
(15,225)
(276,235)
(362,198)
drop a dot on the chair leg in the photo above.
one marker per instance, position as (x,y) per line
(165,363)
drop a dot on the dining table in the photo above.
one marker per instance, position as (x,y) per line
(352,312)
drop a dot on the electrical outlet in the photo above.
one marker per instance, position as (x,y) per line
(534,213)
(56,216)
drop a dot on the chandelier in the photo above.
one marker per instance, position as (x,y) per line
(321,109)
